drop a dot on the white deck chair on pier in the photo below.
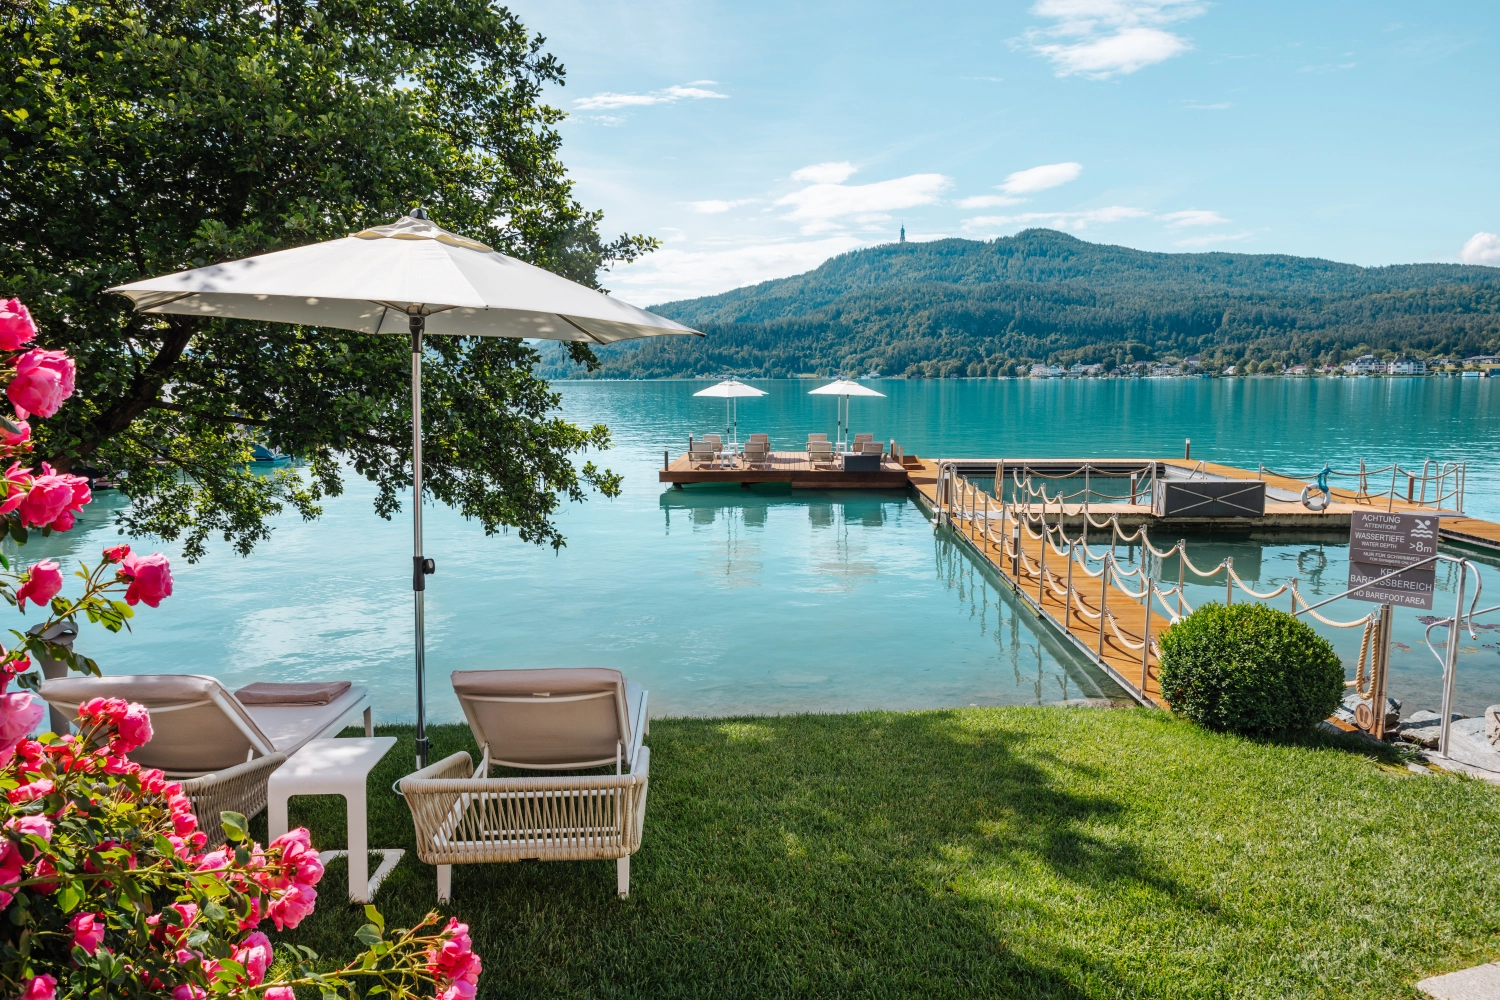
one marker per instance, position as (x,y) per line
(226,745)
(819,449)
(548,720)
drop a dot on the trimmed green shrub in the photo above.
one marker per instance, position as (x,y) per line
(1249,669)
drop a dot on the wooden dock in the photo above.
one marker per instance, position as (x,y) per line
(1130,619)
(791,468)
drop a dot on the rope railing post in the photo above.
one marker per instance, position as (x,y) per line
(1228,580)
(1041,566)
(1103,588)
(1390,503)
(1068,597)
(1181,559)
(1147,592)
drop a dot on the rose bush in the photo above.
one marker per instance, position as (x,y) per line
(105,890)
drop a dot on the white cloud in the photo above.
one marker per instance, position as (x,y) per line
(1193,217)
(1195,106)
(826,173)
(1211,239)
(714,206)
(1040,178)
(1076,221)
(670,95)
(820,206)
(1100,38)
(1481,248)
(988,201)
(670,274)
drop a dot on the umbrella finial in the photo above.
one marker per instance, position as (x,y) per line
(418,213)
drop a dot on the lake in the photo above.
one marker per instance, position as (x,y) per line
(732,601)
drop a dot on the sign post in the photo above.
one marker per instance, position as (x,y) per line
(1379,542)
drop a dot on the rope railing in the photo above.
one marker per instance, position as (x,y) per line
(1040,517)
(1454,474)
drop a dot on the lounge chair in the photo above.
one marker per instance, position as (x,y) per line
(819,450)
(550,719)
(715,440)
(860,439)
(225,744)
(757,451)
(701,453)
(870,447)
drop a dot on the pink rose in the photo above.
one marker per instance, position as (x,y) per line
(43,380)
(17,486)
(254,953)
(88,931)
(454,965)
(188,992)
(18,717)
(52,499)
(39,789)
(43,581)
(21,436)
(16,327)
(116,553)
(42,987)
(280,993)
(150,578)
(132,730)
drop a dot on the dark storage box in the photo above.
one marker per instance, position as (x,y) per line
(1210,498)
(861,463)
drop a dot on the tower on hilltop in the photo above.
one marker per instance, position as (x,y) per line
(903,232)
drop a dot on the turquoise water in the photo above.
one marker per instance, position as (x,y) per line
(737,601)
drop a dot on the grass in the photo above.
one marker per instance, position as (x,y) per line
(1009,852)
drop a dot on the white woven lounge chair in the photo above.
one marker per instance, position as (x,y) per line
(226,745)
(555,719)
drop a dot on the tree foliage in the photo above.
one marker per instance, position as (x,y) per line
(961,307)
(142,138)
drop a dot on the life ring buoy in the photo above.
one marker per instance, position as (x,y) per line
(1310,504)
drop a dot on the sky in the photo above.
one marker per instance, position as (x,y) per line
(756,140)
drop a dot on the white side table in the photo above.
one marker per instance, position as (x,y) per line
(336,767)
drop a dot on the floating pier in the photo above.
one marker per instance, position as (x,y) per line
(791,468)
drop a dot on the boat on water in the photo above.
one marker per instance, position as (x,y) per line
(262,455)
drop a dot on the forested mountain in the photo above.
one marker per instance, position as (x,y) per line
(980,308)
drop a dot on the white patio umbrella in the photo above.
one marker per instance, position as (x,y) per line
(844,388)
(410,277)
(732,389)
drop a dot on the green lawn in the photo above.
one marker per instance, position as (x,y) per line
(1015,852)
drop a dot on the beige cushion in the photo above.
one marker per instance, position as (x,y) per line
(305,693)
(561,717)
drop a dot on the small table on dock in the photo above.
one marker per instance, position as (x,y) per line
(336,767)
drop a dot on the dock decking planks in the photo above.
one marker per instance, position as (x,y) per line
(1129,616)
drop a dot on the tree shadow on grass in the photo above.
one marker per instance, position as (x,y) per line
(858,855)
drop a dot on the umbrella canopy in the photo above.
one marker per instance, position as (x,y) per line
(732,389)
(410,277)
(375,280)
(844,388)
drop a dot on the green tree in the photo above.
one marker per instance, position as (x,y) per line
(139,138)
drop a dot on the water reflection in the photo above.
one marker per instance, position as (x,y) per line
(1042,666)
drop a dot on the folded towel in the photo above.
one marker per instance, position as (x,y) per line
(310,693)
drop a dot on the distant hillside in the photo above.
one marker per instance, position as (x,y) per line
(973,308)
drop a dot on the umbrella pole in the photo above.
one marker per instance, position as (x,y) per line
(420,565)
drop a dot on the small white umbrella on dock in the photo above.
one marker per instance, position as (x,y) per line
(844,388)
(408,278)
(732,389)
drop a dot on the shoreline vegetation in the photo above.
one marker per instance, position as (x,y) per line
(966,308)
(1017,852)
